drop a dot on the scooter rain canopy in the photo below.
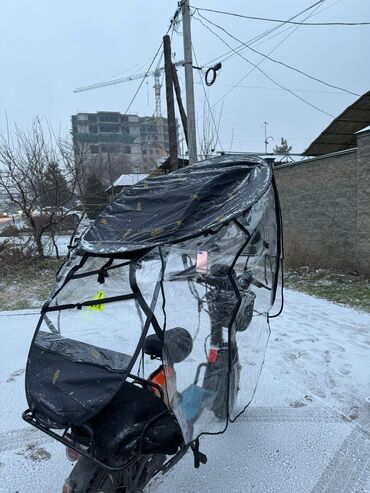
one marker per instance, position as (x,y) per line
(181,268)
(180,205)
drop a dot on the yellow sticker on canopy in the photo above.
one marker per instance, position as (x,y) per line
(99,307)
(56,375)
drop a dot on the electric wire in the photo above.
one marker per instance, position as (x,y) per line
(314,10)
(231,53)
(263,37)
(143,79)
(209,105)
(279,62)
(234,14)
(265,74)
(171,26)
(290,28)
(267,88)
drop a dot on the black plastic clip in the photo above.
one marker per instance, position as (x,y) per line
(103,273)
(199,457)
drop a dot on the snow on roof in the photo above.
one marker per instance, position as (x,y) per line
(129,179)
(366,129)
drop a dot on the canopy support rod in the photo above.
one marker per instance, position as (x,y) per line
(149,311)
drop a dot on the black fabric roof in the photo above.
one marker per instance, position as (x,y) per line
(339,135)
(179,205)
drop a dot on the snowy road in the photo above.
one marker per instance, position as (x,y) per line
(307,430)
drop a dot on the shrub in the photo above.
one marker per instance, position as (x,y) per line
(10,230)
(67,223)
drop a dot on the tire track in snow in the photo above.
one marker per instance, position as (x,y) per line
(16,439)
(349,469)
(287,415)
(363,483)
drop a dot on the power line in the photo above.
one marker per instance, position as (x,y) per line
(208,103)
(281,20)
(312,11)
(265,74)
(292,29)
(311,14)
(171,26)
(257,38)
(267,88)
(279,62)
(144,78)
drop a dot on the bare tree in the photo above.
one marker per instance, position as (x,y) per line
(209,138)
(35,165)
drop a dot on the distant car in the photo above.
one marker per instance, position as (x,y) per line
(4,215)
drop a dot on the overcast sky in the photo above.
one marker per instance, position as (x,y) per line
(49,48)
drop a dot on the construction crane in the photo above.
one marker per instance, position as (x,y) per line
(157,91)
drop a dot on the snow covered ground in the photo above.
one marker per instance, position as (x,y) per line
(307,430)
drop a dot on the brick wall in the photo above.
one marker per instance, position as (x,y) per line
(326,209)
(363,235)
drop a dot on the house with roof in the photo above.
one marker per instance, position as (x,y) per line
(123,181)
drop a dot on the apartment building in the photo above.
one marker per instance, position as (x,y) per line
(117,143)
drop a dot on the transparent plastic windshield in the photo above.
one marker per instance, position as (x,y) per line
(111,321)
(220,288)
(87,340)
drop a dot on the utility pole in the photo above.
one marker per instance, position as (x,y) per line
(189,84)
(171,119)
(184,118)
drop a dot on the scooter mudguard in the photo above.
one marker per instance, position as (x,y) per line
(193,401)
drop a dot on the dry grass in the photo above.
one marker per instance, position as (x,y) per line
(26,283)
(347,289)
